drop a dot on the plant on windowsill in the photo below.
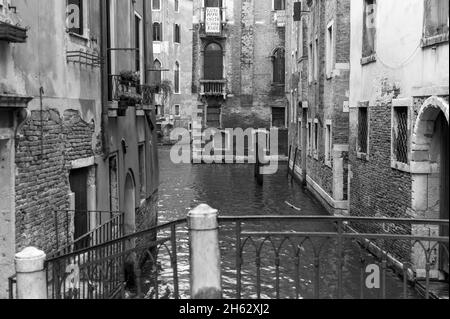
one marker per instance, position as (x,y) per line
(130,78)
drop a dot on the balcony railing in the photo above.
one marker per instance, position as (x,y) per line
(130,92)
(213,88)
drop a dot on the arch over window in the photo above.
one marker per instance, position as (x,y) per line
(156,72)
(213,62)
(177,77)
(278,59)
(157,31)
(279,4)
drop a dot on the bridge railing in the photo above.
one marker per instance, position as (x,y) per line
(271,255)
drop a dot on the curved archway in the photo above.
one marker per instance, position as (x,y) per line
(130,204)
(430,173)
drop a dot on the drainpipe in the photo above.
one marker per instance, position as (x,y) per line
(104,77)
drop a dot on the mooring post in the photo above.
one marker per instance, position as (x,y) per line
(206,281)
(30,274)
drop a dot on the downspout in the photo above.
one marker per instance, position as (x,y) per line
(104,77)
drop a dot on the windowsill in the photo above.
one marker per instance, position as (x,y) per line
(362,156)
(400,166)
(79,37)
(369,59)
(434,40)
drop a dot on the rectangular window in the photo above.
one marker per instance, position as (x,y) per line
(75,13)
(316,139)
(114,184)
(436,18)
(156,4)
(279,4)
(278,117)
(142,173)
(139,39)
(369,28)
(177,5)
(400,135)
(177,110)
(299,135)
(309,149)
(328,144)
(330,51)
(363,130)
(177,33)
(310,63)
(316,59)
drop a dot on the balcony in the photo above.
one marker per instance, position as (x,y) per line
(213,88)
(12,33)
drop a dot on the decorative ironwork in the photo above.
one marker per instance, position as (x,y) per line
(213,88)
(83,58)
(289,248)
(401,139)
(126,267)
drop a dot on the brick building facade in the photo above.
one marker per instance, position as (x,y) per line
(68,142)
(238,63)
(317,55)
(399,118)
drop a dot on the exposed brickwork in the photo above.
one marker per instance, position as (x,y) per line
(42,178)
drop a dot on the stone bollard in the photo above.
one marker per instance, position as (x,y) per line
(30,274)
(206,281)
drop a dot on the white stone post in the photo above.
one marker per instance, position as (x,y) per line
(206,281)
(30,274)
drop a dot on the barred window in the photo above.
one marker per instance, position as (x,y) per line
(363,130)
(400,136)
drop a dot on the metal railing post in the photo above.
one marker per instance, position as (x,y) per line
(206,281)
(31,275)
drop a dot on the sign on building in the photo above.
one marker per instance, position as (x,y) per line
(212,20)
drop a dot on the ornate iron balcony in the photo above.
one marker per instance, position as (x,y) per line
(213,88)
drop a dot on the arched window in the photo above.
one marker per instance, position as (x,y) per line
(213,64)
(279,66)
(177,77)
(279,4)
(156,73)
(157,31)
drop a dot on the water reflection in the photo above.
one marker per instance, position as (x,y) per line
(232,190)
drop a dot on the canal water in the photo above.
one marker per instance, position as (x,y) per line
(232,190)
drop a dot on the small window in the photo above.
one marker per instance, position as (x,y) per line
(310,63)
(436,18)
(279,4)
(177,77)
(177,110)
(142,175)
(299,135)
(316,139)
(309,140)
(177,33)
(370,30)
(75,19)
(279,117)
(400,135)
(328,144)
(330,51)
(177,5)
(316,59)
(363,130)
(156,4)
(157,31)
(213,3)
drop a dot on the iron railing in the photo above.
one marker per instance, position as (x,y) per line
(126,267)
(213,88)
(288,249)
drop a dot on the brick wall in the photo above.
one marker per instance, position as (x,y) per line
(42,178)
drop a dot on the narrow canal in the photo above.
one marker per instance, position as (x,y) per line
(233,191)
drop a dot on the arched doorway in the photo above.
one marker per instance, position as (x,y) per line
(430,172)
(213,62)
(130,204)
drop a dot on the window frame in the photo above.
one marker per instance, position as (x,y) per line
(330,50)
(153,5)
(177,78)
(176,6)
(372,57)
(279,54)
(157,37)
(143,172)
(361,155)
(281,3)
(175,110)
(406,103)
(177,33)
(329,143)
(435,39)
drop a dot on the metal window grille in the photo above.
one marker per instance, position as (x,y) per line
(401,135)
(363,129)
